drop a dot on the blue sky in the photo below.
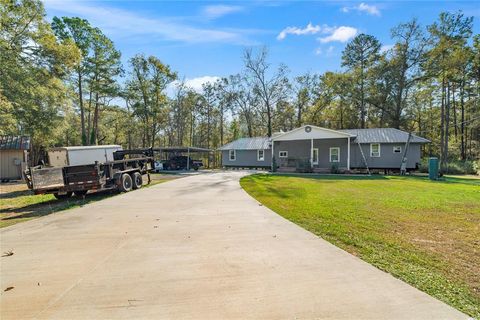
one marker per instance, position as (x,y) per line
(202,40)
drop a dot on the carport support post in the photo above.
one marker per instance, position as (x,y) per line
(188,159)
(348,154)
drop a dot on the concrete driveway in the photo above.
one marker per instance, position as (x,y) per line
(193,248)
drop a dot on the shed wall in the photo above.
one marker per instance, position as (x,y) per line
(8,169)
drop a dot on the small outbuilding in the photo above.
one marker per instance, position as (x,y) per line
(13,156)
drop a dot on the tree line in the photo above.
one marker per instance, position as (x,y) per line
(63,83)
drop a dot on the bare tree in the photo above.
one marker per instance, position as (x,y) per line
(270,89)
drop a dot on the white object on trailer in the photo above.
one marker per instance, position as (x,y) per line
(81,155)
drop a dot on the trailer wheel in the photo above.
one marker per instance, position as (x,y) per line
(80,193)
(137,180)
(125,182)
(62,196)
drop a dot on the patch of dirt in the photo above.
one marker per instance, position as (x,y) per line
(9,187)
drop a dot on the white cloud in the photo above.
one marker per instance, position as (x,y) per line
(340,34)
(217,11)
(363,7)
(123,23)
(193,83)
(309,29)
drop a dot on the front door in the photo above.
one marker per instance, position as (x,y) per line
(315,156)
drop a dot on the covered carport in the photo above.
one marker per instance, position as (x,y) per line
(167,152)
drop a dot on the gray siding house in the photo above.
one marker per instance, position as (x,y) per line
(323,149)
(247,153)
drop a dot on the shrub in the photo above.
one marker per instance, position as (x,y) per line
(476,166)
(423,166)
(454,167)
(461,167)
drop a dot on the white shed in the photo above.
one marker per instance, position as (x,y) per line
(81,155)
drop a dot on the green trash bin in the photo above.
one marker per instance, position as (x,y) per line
(433,168)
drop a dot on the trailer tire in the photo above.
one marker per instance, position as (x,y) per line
(62,196)
(137,180)
(125,182)
(80,193)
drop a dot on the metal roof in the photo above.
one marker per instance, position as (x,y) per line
(182,149)
(255,143)
(14,143)
(377,135)
(383,135)
(72,148)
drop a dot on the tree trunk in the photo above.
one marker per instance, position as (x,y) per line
(454,104)
(462,119)
(82,110)
(299,114)
(447,124)
(89,118)
(442,127)
(95,121)
(221,125)
(269,120)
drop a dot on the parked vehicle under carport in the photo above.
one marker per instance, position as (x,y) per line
(182,163)
(179,158)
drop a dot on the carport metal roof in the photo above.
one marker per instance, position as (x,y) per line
(182,149)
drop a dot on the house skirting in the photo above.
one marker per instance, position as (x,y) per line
(315,170)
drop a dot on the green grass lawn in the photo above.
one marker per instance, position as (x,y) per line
(424,232)
(21,205)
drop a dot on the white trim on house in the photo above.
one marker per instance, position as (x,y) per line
(397,149)
(372,155)
(348,154)
(315,133)
(262,158)
(338,154)
(313,155)
(285,154)
(230,155)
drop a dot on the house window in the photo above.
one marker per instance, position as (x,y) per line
(315,156)
(375,150)
(232,155)
(283,154)
(260,155)
(397,149)
(335,154)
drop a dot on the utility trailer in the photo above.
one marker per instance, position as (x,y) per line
(75,170)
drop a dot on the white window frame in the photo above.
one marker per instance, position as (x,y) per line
(397,148)
(284,152)
(371,150)
(338,154)
(313,158)
(230,155)
(258,155)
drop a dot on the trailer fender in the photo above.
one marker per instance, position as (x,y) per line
(118,178)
